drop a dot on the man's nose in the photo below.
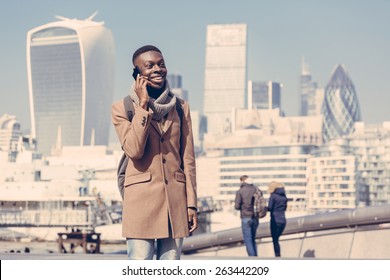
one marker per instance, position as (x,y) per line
(156,67)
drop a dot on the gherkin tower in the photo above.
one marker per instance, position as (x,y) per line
(340,108)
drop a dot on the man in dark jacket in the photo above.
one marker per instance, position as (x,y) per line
(249,223)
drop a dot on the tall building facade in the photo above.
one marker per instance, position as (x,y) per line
(70,65)
(340,108)
(175,83)
(264,95)
(225,74)
(308,92)
(333,179)
(371,147)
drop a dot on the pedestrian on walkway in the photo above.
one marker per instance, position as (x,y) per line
(160,199)
(277,205)
(244,202)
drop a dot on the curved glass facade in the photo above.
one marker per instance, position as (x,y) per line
(57,83)
(340,108)
(70,71)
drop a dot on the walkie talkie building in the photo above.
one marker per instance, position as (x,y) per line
(70,65)
(340,108)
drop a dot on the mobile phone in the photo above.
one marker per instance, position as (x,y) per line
(136,71)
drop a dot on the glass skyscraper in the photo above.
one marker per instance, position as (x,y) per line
(70,66)
(308,92)
(340,108)
(225,74)
(265,95)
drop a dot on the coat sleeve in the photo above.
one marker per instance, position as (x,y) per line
(188,156)
(271,203)
(238,201)
(132,135)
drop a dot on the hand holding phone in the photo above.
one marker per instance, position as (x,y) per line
(136,71)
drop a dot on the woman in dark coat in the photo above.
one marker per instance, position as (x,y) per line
(277,205)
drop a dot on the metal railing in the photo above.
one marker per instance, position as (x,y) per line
(372,215)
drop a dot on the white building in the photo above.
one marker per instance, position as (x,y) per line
(333,179)
(225,74)
(371,147)
(266,147)
(70,66)
(10,133)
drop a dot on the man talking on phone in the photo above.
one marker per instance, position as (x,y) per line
(159,204)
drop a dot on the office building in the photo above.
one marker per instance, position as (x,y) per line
(308,106)
(70,65)
(340,108)
(175,84)
(199,128)
(225,74)
(264,95)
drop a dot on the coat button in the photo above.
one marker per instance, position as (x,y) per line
(162,140)
(166,182)
(164,160)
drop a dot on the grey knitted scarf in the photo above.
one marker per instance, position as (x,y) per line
(160,106)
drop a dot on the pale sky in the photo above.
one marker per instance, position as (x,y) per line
(329,32)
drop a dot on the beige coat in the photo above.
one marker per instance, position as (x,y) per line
(156,188)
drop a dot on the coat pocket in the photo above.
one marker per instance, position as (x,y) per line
(180,177)
(137,178)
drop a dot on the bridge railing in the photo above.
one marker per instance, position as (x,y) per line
(373,215)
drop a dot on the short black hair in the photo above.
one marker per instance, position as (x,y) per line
(146,48)
(243,178)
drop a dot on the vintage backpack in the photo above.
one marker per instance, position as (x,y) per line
(129,107)
(260,204)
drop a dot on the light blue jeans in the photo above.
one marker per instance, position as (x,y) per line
(249,228)
(143,249)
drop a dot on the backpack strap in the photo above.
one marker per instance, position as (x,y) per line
(180,112)
(129,107)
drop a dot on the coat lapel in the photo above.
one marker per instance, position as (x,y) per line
(167,124)
(155,126)
(169,120)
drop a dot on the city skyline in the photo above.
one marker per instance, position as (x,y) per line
(279,34)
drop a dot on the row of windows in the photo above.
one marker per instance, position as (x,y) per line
(286,184)
(333,178)
(336,195)
(334,186)
(266,176)
(263,161)
(332,202)
(280,150)
(331,162)
(303,168)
